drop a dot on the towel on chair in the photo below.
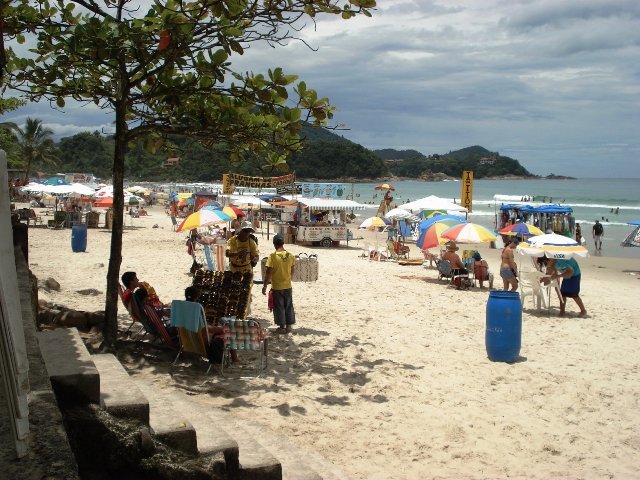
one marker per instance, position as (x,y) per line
(207,254)
(188,315)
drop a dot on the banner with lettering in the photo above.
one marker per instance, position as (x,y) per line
(467,190)
(283,183)
(329,190)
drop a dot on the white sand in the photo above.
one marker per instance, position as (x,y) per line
(387,374)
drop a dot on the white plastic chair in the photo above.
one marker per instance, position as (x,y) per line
(530,286)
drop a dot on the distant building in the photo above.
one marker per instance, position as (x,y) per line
(171,162)
(490,160)
(395,161)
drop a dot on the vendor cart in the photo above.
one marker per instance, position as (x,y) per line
(323,235)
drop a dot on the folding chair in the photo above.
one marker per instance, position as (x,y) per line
(481,272)
(245,335)
(190,321)
(136,316)
(158,324)
(174,223)
(444,270)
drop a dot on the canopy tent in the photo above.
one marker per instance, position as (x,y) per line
(432,203)
(324,204)
(247,200)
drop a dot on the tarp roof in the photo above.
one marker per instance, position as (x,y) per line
(551,208)
(319,204)
(432,203)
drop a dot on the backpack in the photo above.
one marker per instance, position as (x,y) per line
(597,229)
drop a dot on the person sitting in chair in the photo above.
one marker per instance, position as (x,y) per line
(457,267)
(481,270)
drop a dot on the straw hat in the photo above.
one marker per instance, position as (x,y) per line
(451,246)
(247,226)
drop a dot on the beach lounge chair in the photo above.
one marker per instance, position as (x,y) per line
(248,336)
(190,321)
(136,317)
(158,325)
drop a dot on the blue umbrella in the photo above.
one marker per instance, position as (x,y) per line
(635,222)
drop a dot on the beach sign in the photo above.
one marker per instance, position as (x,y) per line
(467,190)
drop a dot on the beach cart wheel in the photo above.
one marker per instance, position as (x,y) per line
(326,242)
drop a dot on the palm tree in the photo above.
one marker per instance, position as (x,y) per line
(34,143)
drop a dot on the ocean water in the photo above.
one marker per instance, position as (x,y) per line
(590,199)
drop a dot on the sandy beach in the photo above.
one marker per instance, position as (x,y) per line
(386,374)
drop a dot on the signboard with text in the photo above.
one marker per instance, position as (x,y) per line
(330,190)
(467,190)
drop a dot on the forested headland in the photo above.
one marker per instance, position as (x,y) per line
(326,156)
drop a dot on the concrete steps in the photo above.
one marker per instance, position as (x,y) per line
(251,451)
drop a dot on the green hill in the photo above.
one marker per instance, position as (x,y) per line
(483,163)
(326,155)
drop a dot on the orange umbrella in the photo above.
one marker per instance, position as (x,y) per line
(384,186)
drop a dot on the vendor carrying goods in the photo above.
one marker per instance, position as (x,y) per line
(305,270)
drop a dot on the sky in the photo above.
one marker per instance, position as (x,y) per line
(554,84)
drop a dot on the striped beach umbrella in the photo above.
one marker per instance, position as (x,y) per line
(469,233)
(203,218)
(432,236)
(521,229)
(552,245)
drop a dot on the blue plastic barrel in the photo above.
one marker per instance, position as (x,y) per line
(504,326)
(79,237)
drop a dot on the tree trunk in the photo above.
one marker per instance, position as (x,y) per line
(115,259)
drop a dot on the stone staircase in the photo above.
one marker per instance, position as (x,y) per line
(250,451)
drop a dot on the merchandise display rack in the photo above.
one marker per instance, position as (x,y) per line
(223,294)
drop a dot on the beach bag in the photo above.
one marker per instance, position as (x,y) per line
(306,269)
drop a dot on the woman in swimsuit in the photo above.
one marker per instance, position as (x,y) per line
(508,267)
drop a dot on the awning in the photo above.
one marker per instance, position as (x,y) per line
(321,204)
(432,203)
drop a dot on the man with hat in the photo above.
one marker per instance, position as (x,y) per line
(457,267)
(242,250)
(280,266)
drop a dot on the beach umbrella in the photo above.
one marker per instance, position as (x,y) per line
(203,218)
(234,209)
(633,239)
(432,236)
(635,222)
(373,223)
(450,220)
(384,186)
(226,210)
(552,245)
(212,203)
(520,229)
(469,233)
(398,214)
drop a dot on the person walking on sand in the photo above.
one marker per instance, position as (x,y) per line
(280,267)
(598,230)
(569,271)
(508,267)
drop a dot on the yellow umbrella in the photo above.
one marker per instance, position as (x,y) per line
(229,211)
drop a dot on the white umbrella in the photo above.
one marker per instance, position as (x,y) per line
(398,214)
(552,245)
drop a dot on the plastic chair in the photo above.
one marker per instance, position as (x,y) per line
(245,335)
(530,286)
(190,321)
